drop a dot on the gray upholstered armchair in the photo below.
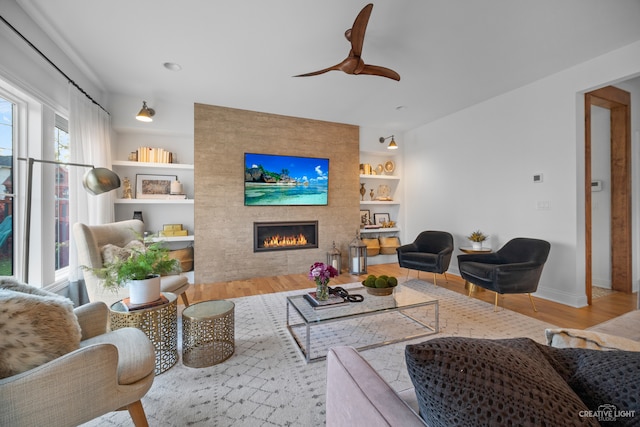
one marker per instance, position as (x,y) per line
(514,269)
(431,252)
(91,238)
(110,371)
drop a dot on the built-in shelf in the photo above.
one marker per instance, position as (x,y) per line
(154,201)
(377,202)
(362,176)
(379,230)
(127,163)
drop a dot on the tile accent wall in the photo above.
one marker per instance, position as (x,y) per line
(224,226)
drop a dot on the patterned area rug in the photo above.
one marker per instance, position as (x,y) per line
(267,383)
(598,292)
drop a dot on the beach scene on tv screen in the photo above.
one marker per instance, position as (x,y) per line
(285,180)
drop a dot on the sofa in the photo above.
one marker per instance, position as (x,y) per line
(465,381)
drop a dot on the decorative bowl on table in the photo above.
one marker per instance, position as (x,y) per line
(381,285)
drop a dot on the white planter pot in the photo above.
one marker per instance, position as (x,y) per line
(143,291)
(476,245)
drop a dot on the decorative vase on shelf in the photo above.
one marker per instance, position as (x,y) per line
(322,290)
(372,194)
(363,190)
(144,291)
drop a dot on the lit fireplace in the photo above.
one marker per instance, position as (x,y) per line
(275,236)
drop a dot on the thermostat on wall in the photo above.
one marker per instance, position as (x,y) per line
(537,177)
(596,185)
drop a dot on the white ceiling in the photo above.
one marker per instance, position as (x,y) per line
(243,54)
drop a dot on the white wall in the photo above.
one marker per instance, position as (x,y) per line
(24,68)
(474,169)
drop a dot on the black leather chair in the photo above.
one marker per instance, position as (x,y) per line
(514,269)
(430,252)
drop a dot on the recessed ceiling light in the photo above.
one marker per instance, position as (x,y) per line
(172,66)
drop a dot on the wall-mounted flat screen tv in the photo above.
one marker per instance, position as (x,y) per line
(273,180)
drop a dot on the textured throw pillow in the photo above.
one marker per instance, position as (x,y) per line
(111,253)
(608,382)
(481,382)
(36,327)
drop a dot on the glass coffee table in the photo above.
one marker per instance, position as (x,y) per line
(378,320)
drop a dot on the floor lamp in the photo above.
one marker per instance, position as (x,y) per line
(95,181)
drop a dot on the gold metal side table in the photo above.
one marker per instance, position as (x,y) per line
(159,323)
(208,336)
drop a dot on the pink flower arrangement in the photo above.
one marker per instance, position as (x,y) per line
(321,273)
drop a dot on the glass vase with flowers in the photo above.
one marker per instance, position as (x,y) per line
(321,274)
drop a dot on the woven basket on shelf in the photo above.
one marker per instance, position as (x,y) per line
(373,246)
(388,245)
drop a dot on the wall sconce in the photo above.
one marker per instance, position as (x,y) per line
(392,144)
(146,113)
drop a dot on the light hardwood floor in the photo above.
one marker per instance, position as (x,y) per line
(603,308)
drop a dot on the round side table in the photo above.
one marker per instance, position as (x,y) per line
(208,336)
(159,323)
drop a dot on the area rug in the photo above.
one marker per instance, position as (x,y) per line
(267,383)
(598,292)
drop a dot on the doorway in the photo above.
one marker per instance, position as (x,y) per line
(618,103)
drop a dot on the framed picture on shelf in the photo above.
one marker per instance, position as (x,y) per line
(380,218)
(365,217)
(153,186)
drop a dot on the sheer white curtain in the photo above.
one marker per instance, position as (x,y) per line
(90,141)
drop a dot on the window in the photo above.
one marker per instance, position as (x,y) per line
(61,150)
(6,186)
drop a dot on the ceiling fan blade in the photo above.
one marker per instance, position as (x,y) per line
(315,73)
(375,70)
(359,28)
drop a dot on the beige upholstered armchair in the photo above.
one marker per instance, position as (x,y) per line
(91,238)
(110,371)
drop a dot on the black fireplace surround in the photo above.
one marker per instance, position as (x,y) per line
(287,235)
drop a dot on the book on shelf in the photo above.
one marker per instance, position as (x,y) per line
(154,155)
(173,233)
(333,301)
(132,307)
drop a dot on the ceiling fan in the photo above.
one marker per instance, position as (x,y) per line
(353,64)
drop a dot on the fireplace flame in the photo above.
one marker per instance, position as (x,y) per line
(282,241)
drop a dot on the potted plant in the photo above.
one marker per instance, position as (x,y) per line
(476,238)
(138,266)
(381,285)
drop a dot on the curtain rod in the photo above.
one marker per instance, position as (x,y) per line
(52,64)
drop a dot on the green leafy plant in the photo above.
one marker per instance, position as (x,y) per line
(477,236)
(140,264)
(382,281)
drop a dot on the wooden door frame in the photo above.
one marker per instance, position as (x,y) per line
(618,102)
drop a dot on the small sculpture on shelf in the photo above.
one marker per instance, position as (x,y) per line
(372,194)
(126,189)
